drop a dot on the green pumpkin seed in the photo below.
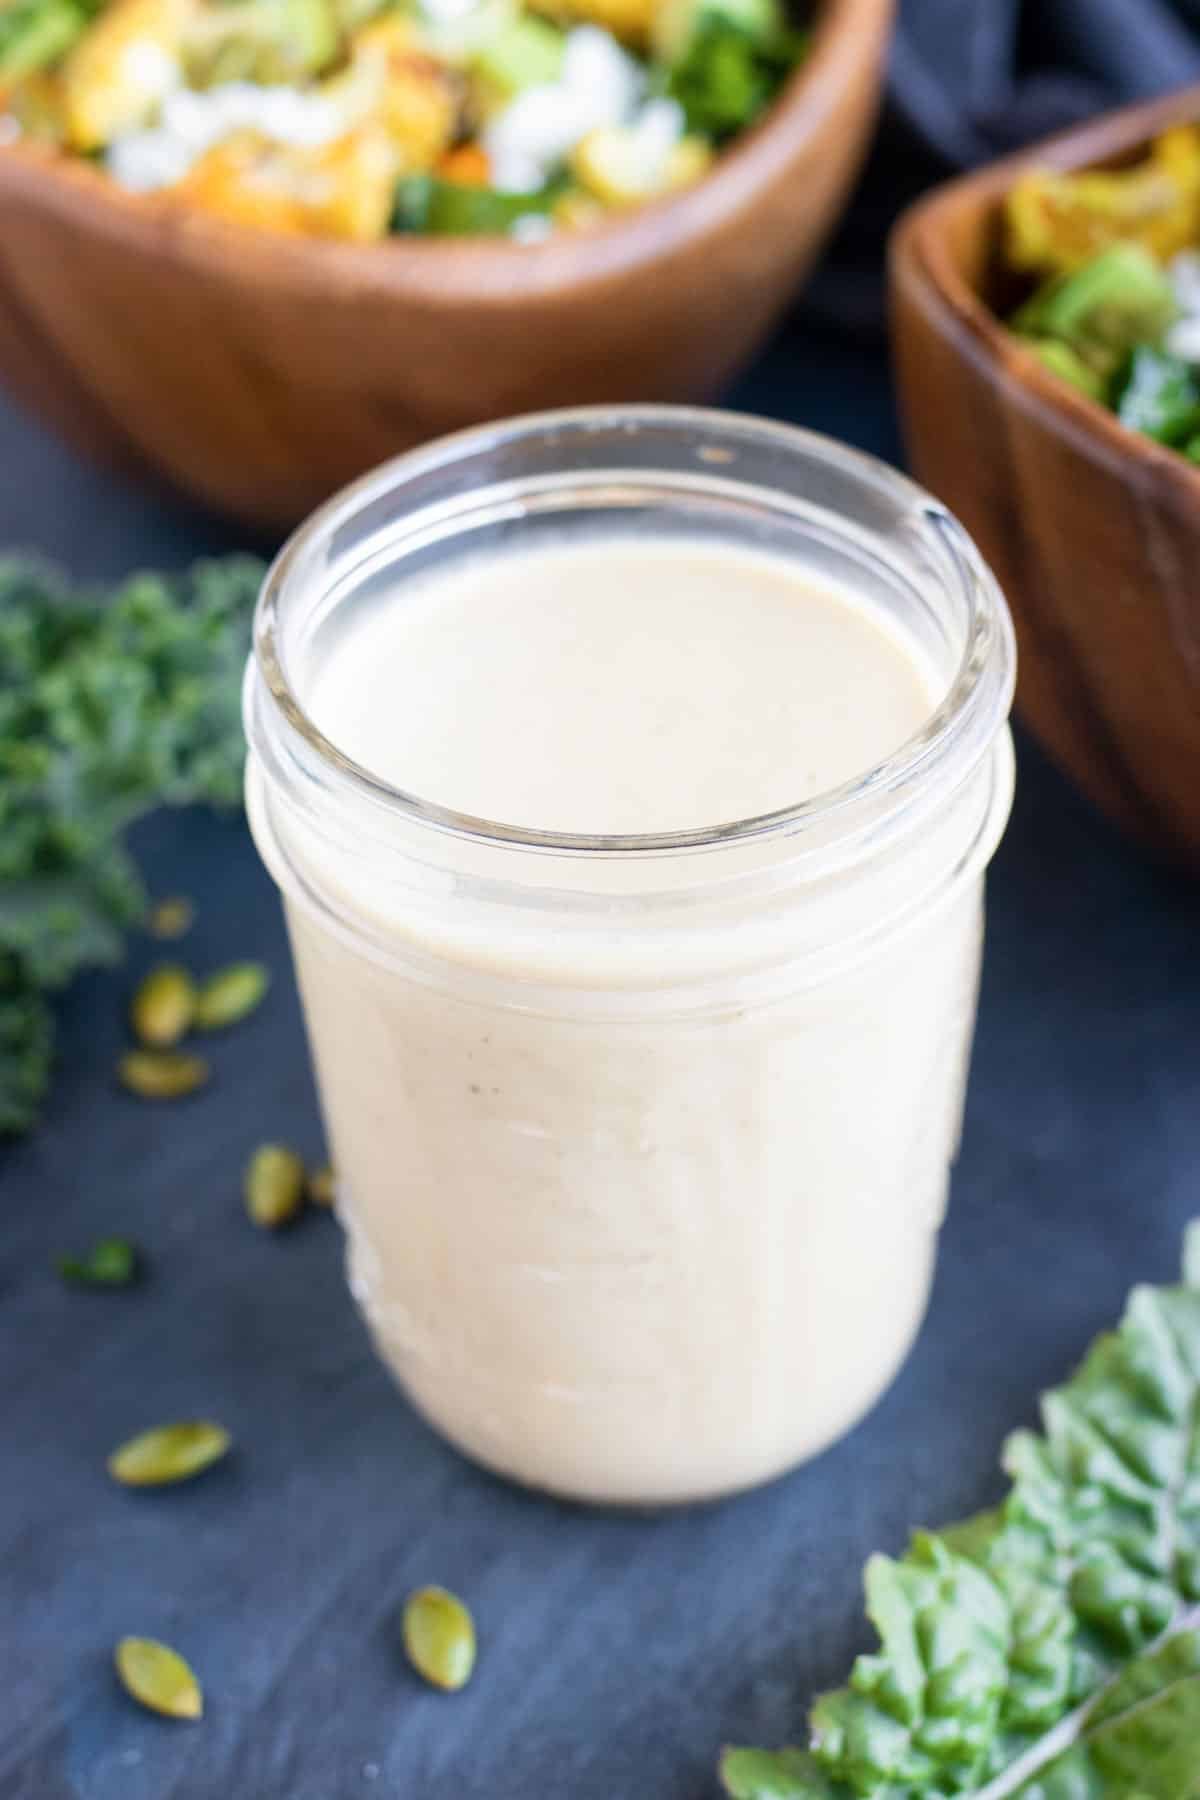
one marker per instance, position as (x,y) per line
(158,1678)
(171,918)
(322,1186)
(231,995)
(439,1637)
(274,1186)
(169,1453)
(163,1006)
(113,1262)
(162,1074)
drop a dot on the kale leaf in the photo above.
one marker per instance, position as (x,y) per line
(110,705)
(1049,1650)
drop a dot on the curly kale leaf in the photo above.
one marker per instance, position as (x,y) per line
(1142,1739)
(998,1636)
(26,1041)
(109,706)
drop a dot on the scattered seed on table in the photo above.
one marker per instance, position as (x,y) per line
(439,1637)
(162,1074)
(171,918)
(112,1262)
(169,1453)
(322,1186)
(162,1008)
(231,995)
(158,1678)
(273,1186)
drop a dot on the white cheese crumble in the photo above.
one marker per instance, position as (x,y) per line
(531,228)
(599,86)
(1183,338)
(448,12)
(458,29)
(654,134)
(191,123)
(147,66)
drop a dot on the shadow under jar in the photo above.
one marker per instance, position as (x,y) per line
(643,1121)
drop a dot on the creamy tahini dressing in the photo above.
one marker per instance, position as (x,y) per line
(621,686)
(632,1246)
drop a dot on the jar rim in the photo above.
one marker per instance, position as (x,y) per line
(961,727)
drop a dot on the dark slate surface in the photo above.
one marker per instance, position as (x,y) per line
(617,1652)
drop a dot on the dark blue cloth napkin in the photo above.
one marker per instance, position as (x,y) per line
(972,79)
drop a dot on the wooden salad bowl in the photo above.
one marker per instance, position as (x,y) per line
(261,372)
(1093,530)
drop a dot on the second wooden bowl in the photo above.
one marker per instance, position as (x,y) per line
(260,373)
(1093,531)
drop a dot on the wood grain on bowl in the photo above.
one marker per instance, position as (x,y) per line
(260,373)
(1093,531)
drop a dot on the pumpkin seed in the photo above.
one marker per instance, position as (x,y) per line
(169,1453)
(230,995)
(113,1262)
(274,1186)
(162,1074)
(163,1006)
(158,1678)
(322,1186)
(439,1637)
(171,918)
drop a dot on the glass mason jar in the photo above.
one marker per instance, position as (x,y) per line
(643,1142)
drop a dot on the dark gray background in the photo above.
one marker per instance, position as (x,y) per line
(617,1652)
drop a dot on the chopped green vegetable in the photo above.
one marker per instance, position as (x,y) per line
(523,54)
(108,707)
(452,209)
(269,41)
(1069,366)
(724,60)
(678,24)
(1049,1650)
(113,1262)
(35,33)
(1159,395)
(1118,300)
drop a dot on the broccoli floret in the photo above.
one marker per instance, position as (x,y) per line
(724,60)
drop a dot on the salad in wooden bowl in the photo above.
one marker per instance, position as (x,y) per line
(1045,327)
(362,118)
(283,309)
